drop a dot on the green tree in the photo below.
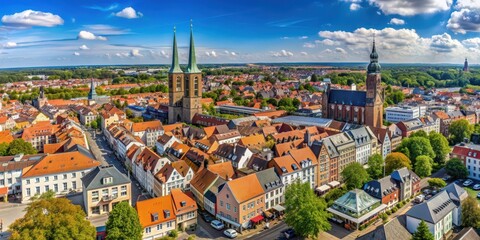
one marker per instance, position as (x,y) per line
(436,182)
(314,78)
(20,146)
(3,149)
(305,212)
(123,223)
(334,194)
(422,233)
(354,175)
(423,166)
(470,213)
(49,218)
(440,147)
(395,161)
(416,146)
(375,166)
(456,168)
(94,124)
(420,133)
(459,130)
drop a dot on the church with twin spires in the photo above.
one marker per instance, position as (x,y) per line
(184,88)
(357,107)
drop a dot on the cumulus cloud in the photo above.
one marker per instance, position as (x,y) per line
(9,44)
(76,53)
(230,53)
(83,47)
(135,53)
(466,18)
(282,53)
(29,18)
(211,53)
(354,6)
(89,36)
(309,45)
(304,53)
(397,21)
(129,13)
(444,43)
(412,7)
(472,42)
(327,42)
(340,50)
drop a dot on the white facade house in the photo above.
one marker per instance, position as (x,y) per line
(398,114)
(173,175)
(363,143)
(164,142)
(11,171)
(148,131)
(57,172)
(386,146)
(470,155)
(272,186)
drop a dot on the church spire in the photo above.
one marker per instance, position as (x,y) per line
(192,60)
(92,94)
(374,66)
(175,68)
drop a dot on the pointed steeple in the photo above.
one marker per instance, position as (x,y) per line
(374,66)
(92,94)
(192,60)
(175,68)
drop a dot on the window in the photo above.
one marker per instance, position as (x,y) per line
(159,226)
(9,181)
(74,185)
(74,175)
(65,187)
(124,190)
(28,182)
(115,192)
(37,180)
(64,176)
(28,191)
(195,86)
(179,83)
(37,190)
(107,180)
(221,203)
(105,193)
(55,177)
(169,224)
(46,179)
(95,196)
(235,209)
(96,210)
(55,187)
(47,188)
(105,208)
(148,230)
(228,206)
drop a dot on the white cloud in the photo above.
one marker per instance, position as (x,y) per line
(164,54)
(472,42)
(76,53)
(211,53)
(129,13)
(83,47)
(466,18)
(230,53)
(444,43)
(340,50)
(105,29)
(303,37)
(412,7)
(327,42)
(135,53)
(309,45)
(304,53)
(284,38)
(282,53)
(397,21)
(10,45)
(233,53)
(29,18)
(89,36)
(354,6)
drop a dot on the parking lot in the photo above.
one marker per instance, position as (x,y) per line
(472,187)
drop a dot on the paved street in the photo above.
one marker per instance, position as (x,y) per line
(10,212)
(102,151)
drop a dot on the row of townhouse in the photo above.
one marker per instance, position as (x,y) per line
(446,118)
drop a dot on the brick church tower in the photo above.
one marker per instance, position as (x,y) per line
(185,89)
(375,97)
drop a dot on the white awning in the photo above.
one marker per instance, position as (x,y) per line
(279,208)
(334,184)
(228,220)
(323,188)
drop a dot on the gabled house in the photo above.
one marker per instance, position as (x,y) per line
(172,176)
(237,154)
(148,132)
(164,142)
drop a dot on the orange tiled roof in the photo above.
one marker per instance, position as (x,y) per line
(245,188)
(253,140)
(171,127)
(143,126)
(61,162)
(159,206)
(179,198)
(6,136)
(224,170)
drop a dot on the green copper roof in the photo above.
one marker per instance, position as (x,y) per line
(374,66)
(192,60)
(92,94)
(175,68)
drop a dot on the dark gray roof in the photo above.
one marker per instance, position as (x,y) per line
(381,187)
(269,179)
(456,193)
(348,97)
(93,179)
(393,230)
(401,174)
(433,210)
(211,196)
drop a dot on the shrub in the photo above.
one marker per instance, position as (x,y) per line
(389,212)
(394,209)
(173,234)
(191,237)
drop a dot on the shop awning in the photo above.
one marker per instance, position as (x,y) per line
(257,219)
(279,208)
(334,184)
(323,188)
(268,214)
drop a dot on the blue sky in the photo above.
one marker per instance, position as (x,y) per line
(74,32)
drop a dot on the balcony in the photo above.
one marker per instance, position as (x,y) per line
(109,198)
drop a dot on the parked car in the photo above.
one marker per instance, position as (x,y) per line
(427,192)
(230,233)
(467,183)
(289,233)
(478,195)
(217,224)
(476,186)
(420,198)
(434,192)
(446,178)
(206,217)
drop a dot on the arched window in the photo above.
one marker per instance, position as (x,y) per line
(187,86)
(179,83)
(195,86)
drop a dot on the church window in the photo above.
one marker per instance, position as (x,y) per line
(187,86)
(179,83)
(195,86)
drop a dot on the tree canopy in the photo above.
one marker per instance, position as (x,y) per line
(375,166)
(455,168)
(416,146)
(19,146)
(422,233)
(305,212)
(354,175)
(440,147)
(49,218)
(423,166)
(123,223)
(395,161)
(459,130)
(470,213)
(436,182)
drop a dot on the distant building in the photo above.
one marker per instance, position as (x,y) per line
(470,156)
(93,98)
(465,66)
(41,100)
(397,114)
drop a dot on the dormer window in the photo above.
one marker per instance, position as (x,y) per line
(183,203)
(107,180)
(154,217)
(166,213)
